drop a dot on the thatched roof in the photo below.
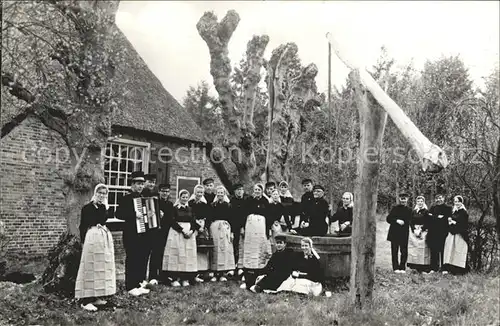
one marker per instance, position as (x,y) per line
(146,104)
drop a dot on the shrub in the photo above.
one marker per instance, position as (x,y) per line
(3,249)
(483,253)
(64,259)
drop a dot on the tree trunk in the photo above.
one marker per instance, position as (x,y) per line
(496,190)
(61,271)
(372,121)
(397,185)
(240,129)
(79,185)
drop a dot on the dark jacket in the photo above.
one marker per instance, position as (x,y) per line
(306,203)
(91,216)
(148,193)
(239,212)
(399,233)
(461,217)
(275,211)
(221,211)
(201,211)
(183,214)
(438,226)
(280,262)
(126,212)
(311,266)
(167,207)
(260,207)
(289,210)
(419,217)
(319,211)
(209,197)
(278,268)
(343,214)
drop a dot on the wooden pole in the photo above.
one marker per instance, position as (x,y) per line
(372,120)
(330,167)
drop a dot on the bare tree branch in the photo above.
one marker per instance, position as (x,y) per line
(17,89)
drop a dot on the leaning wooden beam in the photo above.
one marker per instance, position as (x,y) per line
(433,157)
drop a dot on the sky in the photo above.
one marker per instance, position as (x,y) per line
(164,33)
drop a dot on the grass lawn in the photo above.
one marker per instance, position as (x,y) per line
(410,299)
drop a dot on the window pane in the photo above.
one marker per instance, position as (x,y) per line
(114,165)
(115,151)
(135,153)
(107,164)
(123,165)
(114,179)
(107,153)
(130,166)
(124,152)
(122,179)
(137,165)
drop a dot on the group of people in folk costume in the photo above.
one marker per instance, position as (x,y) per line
(207,236)
(429,240)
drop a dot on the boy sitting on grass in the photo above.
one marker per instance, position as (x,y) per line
(277,269)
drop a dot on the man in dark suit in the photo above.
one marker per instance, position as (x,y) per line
(438,230)
(135,243)
(159,240)
(399,219)
(239,214)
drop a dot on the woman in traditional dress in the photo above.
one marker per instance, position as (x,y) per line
(202,212)
(256,245)
(455,247)
(288,203)
(419,255)
(96,274)
(222,235)
(307,275)
(180,257)
(344,215)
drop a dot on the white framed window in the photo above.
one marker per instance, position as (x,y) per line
(187,183)
(121,158)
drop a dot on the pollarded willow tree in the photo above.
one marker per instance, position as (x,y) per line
(58,64)
(292,91)
(288,94)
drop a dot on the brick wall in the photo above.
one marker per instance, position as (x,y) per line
(31,200)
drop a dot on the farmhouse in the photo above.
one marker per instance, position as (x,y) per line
(151,131)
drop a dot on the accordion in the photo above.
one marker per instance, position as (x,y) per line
(146,208)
